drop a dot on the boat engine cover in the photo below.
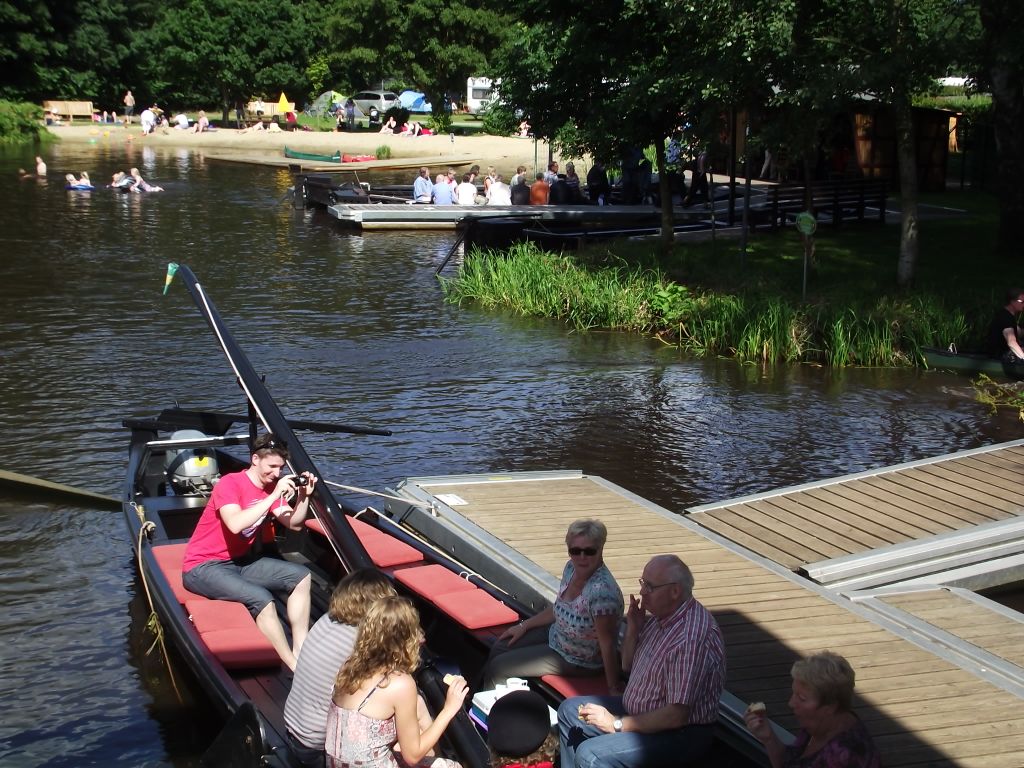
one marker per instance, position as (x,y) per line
(191,470)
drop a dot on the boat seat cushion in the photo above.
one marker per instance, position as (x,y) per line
(231,634)
(384,550)
(576,686)
(476,609)
(430,581)
(169,558)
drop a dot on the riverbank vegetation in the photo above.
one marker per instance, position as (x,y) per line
(709,299)
(21,123)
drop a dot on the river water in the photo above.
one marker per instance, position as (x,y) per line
(346,328)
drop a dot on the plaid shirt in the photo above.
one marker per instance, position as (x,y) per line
(680,660)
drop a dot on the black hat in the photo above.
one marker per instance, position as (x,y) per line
(518,723)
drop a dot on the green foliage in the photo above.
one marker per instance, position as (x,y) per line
(383,152)
(996,395)
(500,120)
(602,290)
(21,123)
(433,45)
(220,51)
(317,73)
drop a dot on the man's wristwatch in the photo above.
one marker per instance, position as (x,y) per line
(617,725)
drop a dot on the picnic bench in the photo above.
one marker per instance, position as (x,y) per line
(72,109)
(831,201)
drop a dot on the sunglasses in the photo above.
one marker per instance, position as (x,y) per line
(577,551)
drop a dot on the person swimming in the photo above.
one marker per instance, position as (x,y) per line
(139,184)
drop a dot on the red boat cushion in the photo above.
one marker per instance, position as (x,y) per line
(231,634)
(384,550)
(475,609)
(240,648)
(431,581)
(169,558)
(576,686)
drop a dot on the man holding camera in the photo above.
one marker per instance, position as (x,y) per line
(219,562)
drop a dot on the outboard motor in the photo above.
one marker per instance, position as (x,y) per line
(191,470)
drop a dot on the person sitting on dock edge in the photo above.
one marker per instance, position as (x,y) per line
(422,189)
(219,561)
(1003,340)
(676,663)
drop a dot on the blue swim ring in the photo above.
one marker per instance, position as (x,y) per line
(79,187)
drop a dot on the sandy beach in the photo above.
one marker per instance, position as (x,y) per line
(504,153)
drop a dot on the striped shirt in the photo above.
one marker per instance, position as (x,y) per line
(680,660)
(327,647)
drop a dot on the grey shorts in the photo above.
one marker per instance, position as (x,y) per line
(252,584)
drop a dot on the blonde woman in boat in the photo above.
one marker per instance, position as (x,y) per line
(375,711)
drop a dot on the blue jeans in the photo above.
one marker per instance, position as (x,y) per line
(585,746)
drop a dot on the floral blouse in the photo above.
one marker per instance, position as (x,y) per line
(573,635)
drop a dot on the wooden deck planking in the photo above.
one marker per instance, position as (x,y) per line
(768,620)
(947,500)
(860,518)
(995,633)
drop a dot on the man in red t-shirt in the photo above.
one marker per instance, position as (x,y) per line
(218,560)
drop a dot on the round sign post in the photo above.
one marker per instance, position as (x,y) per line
(806,224)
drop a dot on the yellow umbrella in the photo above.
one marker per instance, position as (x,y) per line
(283,105)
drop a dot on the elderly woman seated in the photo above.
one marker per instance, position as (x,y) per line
(830,733)
(575,636)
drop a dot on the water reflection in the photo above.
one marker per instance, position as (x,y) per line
(350,328)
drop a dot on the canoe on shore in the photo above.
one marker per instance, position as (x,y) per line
(294,154)
(971,363)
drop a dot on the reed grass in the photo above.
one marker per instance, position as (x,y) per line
(383,152)
(601,290)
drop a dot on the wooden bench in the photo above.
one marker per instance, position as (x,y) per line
(72,109)
(831,201)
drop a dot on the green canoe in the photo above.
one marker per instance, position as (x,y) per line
(965,362)
(312,157)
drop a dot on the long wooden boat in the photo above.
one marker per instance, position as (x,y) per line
(970,363)
(173,458)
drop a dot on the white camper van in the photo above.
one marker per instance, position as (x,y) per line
(479,91)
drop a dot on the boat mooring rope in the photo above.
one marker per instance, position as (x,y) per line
(153,622)
(368,492)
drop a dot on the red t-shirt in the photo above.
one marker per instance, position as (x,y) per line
(212,539)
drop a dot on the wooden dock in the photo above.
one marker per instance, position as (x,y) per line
(951,697)
(402,216)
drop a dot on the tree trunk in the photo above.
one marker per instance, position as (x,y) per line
(1002,21)
(906,155)
(225,105)
(668,234)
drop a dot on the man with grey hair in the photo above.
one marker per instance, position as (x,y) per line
(675,657)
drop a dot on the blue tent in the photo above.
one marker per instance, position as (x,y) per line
(414,101)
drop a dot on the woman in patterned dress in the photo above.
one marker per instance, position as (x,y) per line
(577,634)
(375,710)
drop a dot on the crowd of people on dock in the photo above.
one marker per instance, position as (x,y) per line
(548,188)
(354,700)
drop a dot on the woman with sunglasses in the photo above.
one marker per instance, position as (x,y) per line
(577,634)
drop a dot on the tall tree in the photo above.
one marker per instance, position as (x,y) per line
(889,51)
(433,45)
(221,51)
(601,76)
(1003,61)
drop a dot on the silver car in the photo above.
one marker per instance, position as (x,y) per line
(382,100)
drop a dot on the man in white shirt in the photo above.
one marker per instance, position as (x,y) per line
(465,193)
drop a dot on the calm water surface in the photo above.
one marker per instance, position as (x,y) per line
(346,328)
